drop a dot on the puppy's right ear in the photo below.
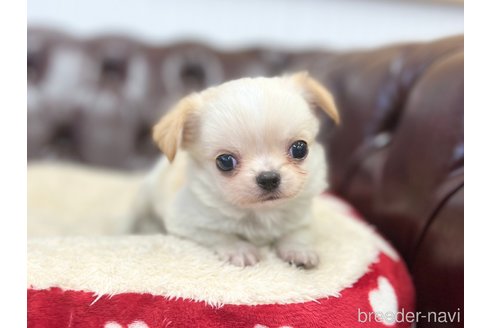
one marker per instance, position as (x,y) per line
(175,128)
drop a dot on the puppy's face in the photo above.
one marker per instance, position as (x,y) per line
(252,141)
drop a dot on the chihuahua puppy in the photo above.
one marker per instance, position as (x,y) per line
(241,168)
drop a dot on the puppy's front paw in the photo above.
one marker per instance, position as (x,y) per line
(240,254)
(301,256)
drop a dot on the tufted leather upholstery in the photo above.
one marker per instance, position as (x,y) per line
(398,155)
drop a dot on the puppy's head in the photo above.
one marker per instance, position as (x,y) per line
(252,141)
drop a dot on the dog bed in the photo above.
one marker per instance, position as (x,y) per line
(110,280)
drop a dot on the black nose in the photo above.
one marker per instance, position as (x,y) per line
(268,180)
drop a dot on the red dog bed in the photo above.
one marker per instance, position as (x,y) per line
(163,281)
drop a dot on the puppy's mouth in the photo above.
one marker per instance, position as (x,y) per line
(267,200)
(270,198)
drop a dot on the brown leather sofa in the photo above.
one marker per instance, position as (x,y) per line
(398,156)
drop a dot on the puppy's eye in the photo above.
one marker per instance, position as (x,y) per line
(226,162)
(299,149)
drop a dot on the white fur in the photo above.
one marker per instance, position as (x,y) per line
(256,120)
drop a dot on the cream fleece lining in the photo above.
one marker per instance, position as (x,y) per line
(172,267)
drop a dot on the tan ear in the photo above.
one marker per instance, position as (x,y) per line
(169,132)
(317,94)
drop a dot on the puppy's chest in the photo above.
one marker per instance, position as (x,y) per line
(263,228)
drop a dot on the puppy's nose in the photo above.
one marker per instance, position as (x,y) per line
(268,180)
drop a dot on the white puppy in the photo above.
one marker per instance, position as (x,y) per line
(245,167)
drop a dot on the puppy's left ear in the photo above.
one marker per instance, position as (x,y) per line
(316,94)
(176,127)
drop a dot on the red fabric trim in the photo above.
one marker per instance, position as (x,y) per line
(55,307)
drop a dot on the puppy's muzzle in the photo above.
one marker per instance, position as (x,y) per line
(269,180)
